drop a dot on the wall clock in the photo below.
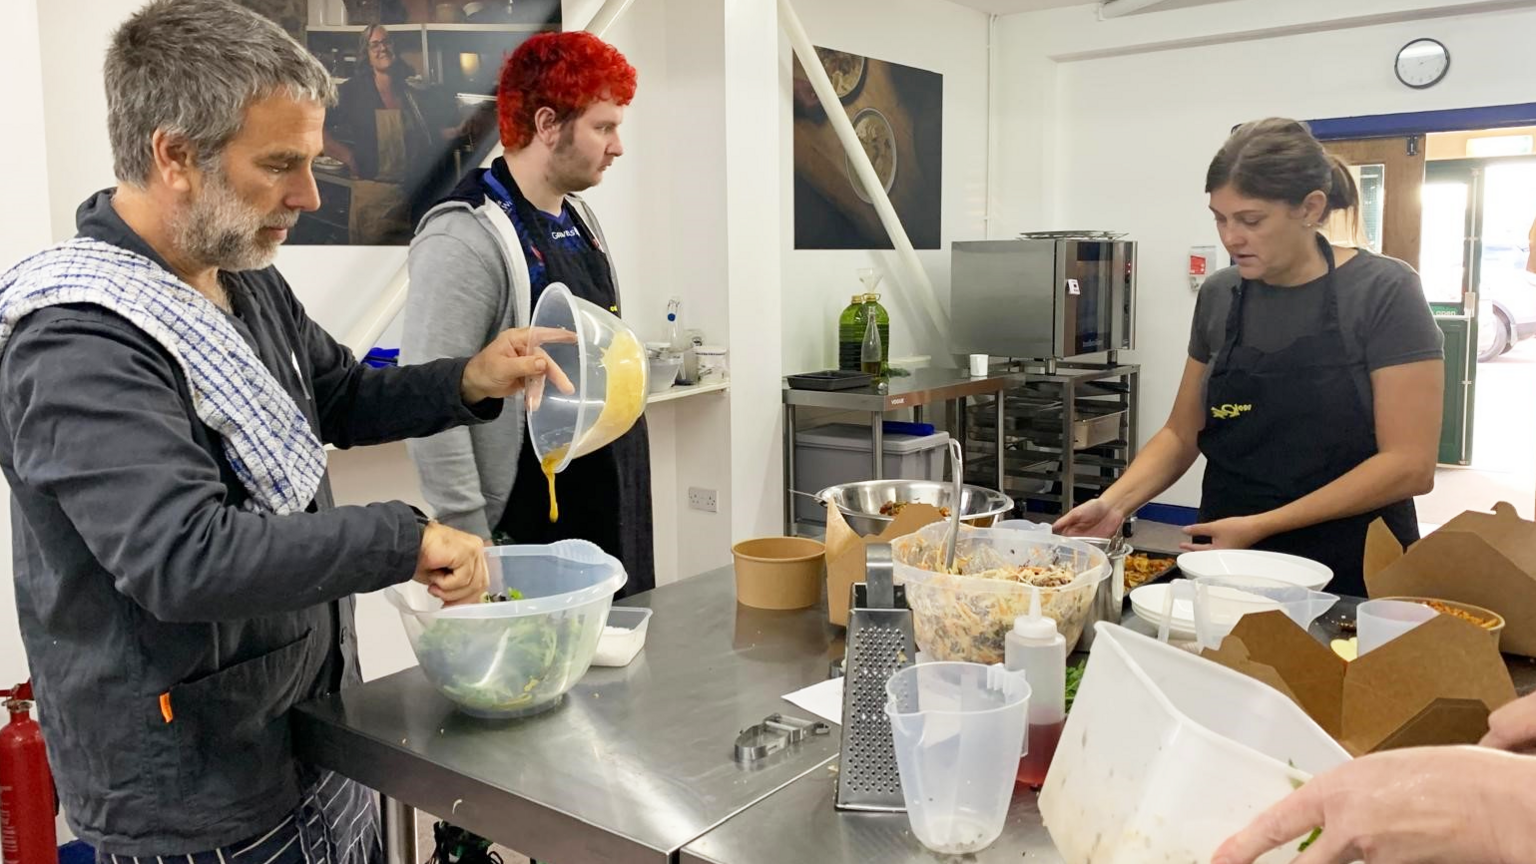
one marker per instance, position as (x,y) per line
(1422,63)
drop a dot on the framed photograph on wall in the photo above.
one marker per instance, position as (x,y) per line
(416,109)
(897,112)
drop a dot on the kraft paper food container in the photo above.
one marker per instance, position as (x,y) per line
(1434,685)
(1484,559)
(846,550)
(779,572)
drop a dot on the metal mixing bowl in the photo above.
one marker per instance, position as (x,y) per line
(860,502)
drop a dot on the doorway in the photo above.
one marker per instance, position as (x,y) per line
(1479,223)
(1458,202)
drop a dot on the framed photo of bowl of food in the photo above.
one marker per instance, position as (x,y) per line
(846,71)
(897,115)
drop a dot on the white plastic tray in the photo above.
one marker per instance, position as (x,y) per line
(619,649)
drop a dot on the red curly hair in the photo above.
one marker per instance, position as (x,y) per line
(565,72)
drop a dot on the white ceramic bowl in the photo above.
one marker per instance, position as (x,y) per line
(1147,602)
(1250,562)
(664,372)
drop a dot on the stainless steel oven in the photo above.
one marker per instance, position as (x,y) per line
(1043,297)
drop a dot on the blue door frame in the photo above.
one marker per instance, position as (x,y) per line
(1424,122)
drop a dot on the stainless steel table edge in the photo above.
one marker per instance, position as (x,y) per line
(485,810)
(682,854)
(333,732)
(800,823)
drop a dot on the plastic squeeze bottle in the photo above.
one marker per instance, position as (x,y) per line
(1035,646)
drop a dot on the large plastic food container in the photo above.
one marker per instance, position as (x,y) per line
(840,453)
(964,617)
(1167,754)
(519,657)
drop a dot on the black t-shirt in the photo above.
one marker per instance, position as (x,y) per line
(1383,315)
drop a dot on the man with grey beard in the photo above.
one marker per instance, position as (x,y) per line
(183,577)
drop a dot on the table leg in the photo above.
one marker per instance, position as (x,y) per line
(962,426)
(877,444)
(917,414)
(789,470)
(1068,451)
(1133,388)
(1001,442)
(399,831)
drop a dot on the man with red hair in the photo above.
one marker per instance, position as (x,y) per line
(480,259)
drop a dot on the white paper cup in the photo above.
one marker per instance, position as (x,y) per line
(979,365)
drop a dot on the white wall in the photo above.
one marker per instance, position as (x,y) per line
(927,34)
(24,148)
(1122,141)
(754,275)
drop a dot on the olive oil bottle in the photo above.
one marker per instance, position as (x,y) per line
(871,349)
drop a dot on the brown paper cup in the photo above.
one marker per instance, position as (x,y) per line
(779,572)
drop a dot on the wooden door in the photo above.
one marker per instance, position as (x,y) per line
(1401,161)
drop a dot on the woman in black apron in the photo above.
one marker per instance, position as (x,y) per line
(1307,427)
(605,496)
(1297,457)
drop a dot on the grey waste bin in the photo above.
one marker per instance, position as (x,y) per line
(840,453)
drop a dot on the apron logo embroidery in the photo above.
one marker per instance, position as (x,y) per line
(1229,411)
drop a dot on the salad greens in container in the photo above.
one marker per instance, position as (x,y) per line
(531,640)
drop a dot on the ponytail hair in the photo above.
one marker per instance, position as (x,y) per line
(1279,160)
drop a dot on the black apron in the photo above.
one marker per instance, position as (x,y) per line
(1282,424)
(605,496)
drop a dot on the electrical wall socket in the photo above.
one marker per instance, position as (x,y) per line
(702,499)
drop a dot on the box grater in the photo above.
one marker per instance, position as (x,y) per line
(879,643)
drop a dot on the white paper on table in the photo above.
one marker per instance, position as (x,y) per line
(825,700)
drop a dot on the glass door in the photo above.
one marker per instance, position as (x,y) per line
(1088,292)
(1504,270)
(1448,270)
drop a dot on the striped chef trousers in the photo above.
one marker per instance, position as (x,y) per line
(337,823)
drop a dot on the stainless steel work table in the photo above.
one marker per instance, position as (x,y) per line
(799,823)
(632,766)
(636,764)
(922,388)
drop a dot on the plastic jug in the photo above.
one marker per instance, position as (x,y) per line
(607,364)
(1219,601)
(957,729)
(1381,621)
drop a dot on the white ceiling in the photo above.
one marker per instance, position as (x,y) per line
(1009,7)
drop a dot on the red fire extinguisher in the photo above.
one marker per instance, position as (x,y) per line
(27,805)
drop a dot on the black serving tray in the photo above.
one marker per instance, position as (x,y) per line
(831,379)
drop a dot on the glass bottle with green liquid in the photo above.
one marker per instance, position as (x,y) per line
(851,325)
(850,333)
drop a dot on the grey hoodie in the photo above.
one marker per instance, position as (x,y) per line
(468,282)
